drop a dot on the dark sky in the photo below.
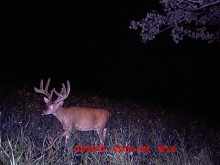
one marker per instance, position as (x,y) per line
(90,43)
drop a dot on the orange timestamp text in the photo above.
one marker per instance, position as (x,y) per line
(128,149)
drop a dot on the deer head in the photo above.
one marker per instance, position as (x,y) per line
(53,106)
(73,118)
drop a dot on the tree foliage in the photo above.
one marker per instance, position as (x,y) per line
(198,19)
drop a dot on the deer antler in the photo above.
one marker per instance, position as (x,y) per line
(45,91)
(63,94)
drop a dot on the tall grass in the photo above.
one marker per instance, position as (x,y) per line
(29,138)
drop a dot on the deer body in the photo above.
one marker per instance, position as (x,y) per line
(82,119)
(74,118)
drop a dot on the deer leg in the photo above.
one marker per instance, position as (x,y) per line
(101,134)
(100,138)
(66,139)
(65,134)
(104,133)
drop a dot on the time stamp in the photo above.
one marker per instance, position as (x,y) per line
(128,149)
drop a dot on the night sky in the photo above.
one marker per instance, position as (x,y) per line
(90,44)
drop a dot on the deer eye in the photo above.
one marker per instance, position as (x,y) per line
(51,106)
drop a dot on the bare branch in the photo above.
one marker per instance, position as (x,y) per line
(196,9)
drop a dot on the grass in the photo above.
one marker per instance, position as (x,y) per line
(29,138)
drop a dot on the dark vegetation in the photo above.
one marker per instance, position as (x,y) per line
(29,138)
(193,19)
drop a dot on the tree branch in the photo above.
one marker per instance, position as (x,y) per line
(195,10)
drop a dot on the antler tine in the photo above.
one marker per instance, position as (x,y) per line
(68,87)
(51,94)
(64,89)
(59,94)
(44,91)
(63,94)
(47,85)
(41,84)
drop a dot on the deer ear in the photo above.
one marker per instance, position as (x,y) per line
(60,103)
(46,100)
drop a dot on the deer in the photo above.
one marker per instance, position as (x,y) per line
(73,118)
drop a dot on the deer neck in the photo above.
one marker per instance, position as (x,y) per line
(59,113)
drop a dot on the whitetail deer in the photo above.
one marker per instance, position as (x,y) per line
(73,118)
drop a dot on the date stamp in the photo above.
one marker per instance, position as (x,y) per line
(128,149)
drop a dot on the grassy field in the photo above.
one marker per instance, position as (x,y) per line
(134,134)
